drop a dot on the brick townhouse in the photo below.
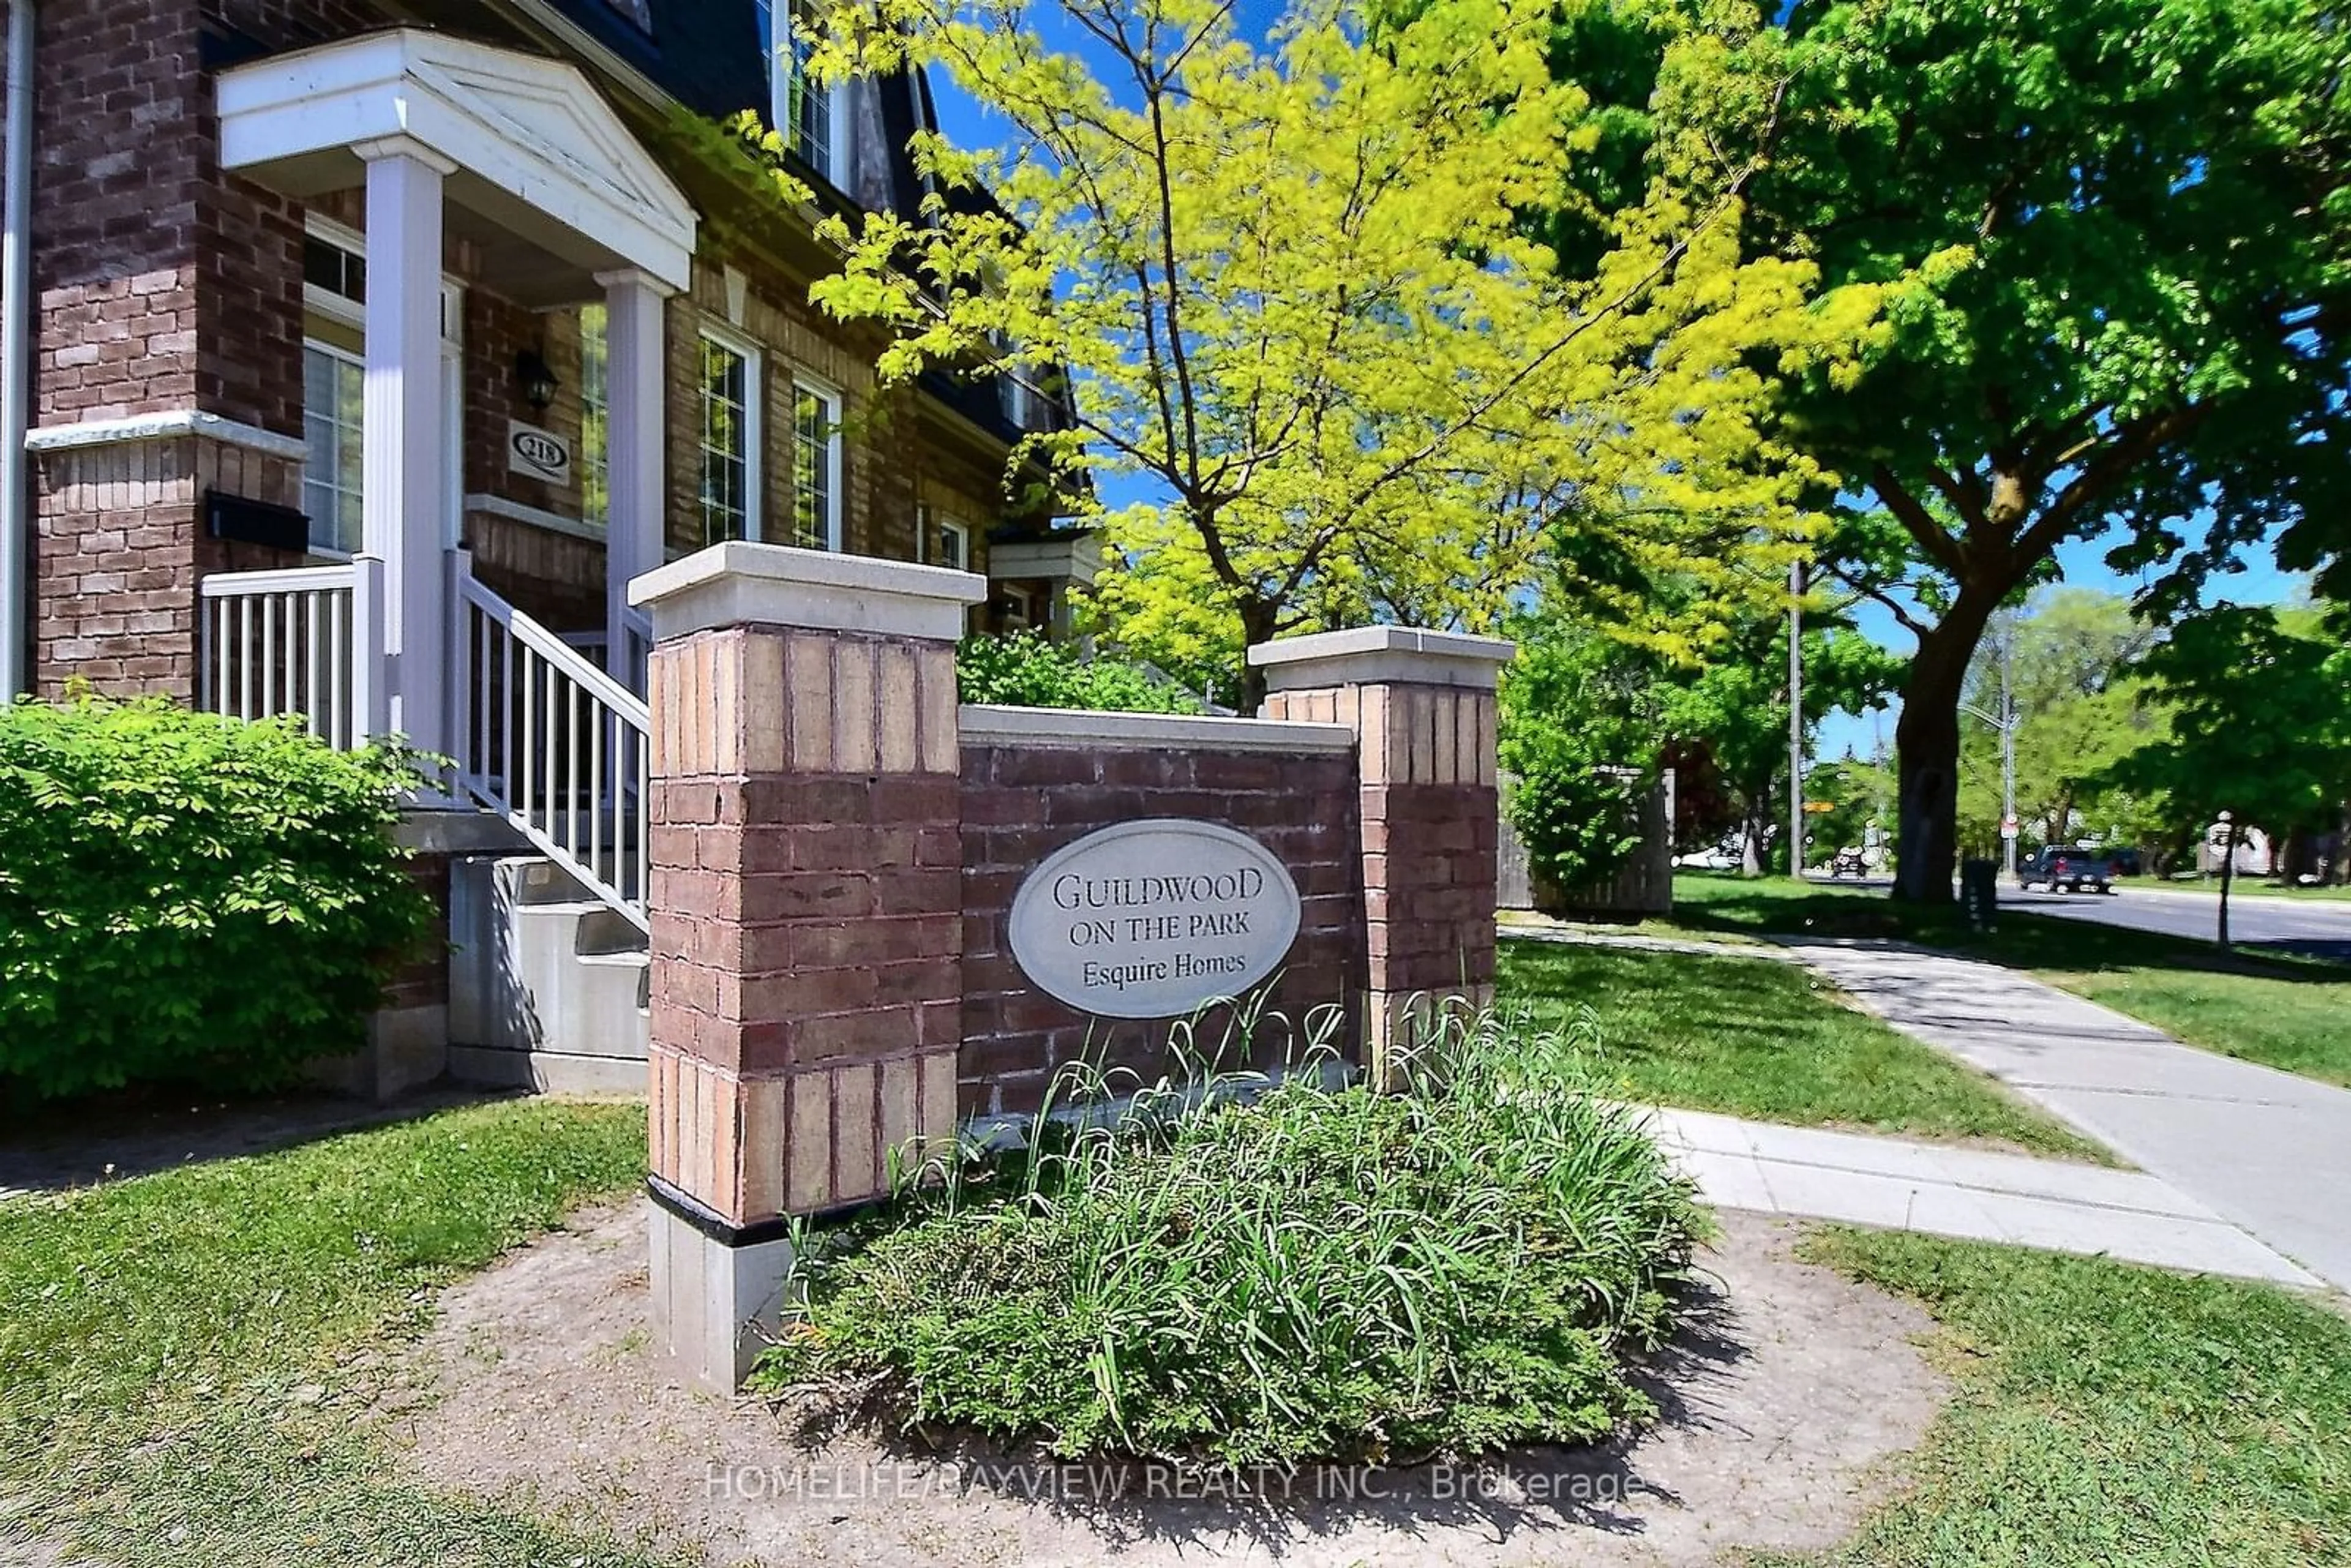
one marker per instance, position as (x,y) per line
(357,355)
(321,280)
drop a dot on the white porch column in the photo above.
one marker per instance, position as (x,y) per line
(633,347)
(402,432)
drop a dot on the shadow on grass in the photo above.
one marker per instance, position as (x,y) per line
(113,1135)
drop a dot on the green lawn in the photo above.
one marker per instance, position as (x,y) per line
(1749,1037)
(2105,1415)
(182,1364)
(2294,1014)
(169,1344)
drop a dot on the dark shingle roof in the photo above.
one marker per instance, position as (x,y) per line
(704,53)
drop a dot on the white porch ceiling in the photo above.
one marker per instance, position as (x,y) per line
(555,181)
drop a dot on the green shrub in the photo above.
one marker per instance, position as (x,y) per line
(189,898)
(1026,670)
(1580,820)
(1312,1274)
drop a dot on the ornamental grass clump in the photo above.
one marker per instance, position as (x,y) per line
(1273,1271)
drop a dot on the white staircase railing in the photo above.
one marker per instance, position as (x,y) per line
(551,742)
(308,640)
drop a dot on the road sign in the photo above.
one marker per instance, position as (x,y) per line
(1819,807)
(2009,826)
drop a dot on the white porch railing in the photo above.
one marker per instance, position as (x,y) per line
(550,741)
(596,646)
(307,641)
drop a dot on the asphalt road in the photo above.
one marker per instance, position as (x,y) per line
(2285,924)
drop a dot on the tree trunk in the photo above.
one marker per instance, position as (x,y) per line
(1257,626)
(2286,864)
(1927,751)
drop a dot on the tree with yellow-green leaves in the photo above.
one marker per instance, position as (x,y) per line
(1291,286)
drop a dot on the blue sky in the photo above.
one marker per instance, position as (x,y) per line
(2082,562)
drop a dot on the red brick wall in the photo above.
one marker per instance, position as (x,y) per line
(248,250)
(1020,803)
(804,925)
(118,537)
(1432,918)
(422,979)
(116,182)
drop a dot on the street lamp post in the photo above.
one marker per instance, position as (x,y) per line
(2228,869)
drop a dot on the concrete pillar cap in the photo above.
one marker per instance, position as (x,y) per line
(1364,655)
(740,583)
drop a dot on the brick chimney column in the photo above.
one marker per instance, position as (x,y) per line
(806,907)
(1423,708)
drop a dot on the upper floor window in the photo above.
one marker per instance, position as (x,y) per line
(595,420)
(816,467)
(730,441)
(797,109)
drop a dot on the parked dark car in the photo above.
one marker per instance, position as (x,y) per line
(2070,870)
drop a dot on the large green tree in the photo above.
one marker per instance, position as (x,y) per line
(2128,222)
(1288,282)
(2261,727)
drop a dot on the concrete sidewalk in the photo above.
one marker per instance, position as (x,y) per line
(2267,1151)
(1965,1193)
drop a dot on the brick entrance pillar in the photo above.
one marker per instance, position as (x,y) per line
(1422,704)
(807,985)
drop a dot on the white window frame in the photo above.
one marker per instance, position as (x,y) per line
(785,70)
(960,532)
(835,502)
(352,313)
(754,425)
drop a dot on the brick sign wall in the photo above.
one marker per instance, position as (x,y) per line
(867,898)
(1026,796)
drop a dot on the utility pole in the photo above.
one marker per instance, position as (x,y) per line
(2007,750)
(1796,719)
(2005,722)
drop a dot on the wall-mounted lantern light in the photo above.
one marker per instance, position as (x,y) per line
(536,379)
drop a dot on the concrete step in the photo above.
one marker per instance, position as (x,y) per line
(605,930)
(540,968)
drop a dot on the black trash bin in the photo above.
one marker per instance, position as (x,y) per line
(1979,892)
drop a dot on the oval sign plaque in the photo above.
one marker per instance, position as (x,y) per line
(1151,919)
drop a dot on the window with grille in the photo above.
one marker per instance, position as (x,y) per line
(334,385)
(816,467)
(797,109)
(730,445)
